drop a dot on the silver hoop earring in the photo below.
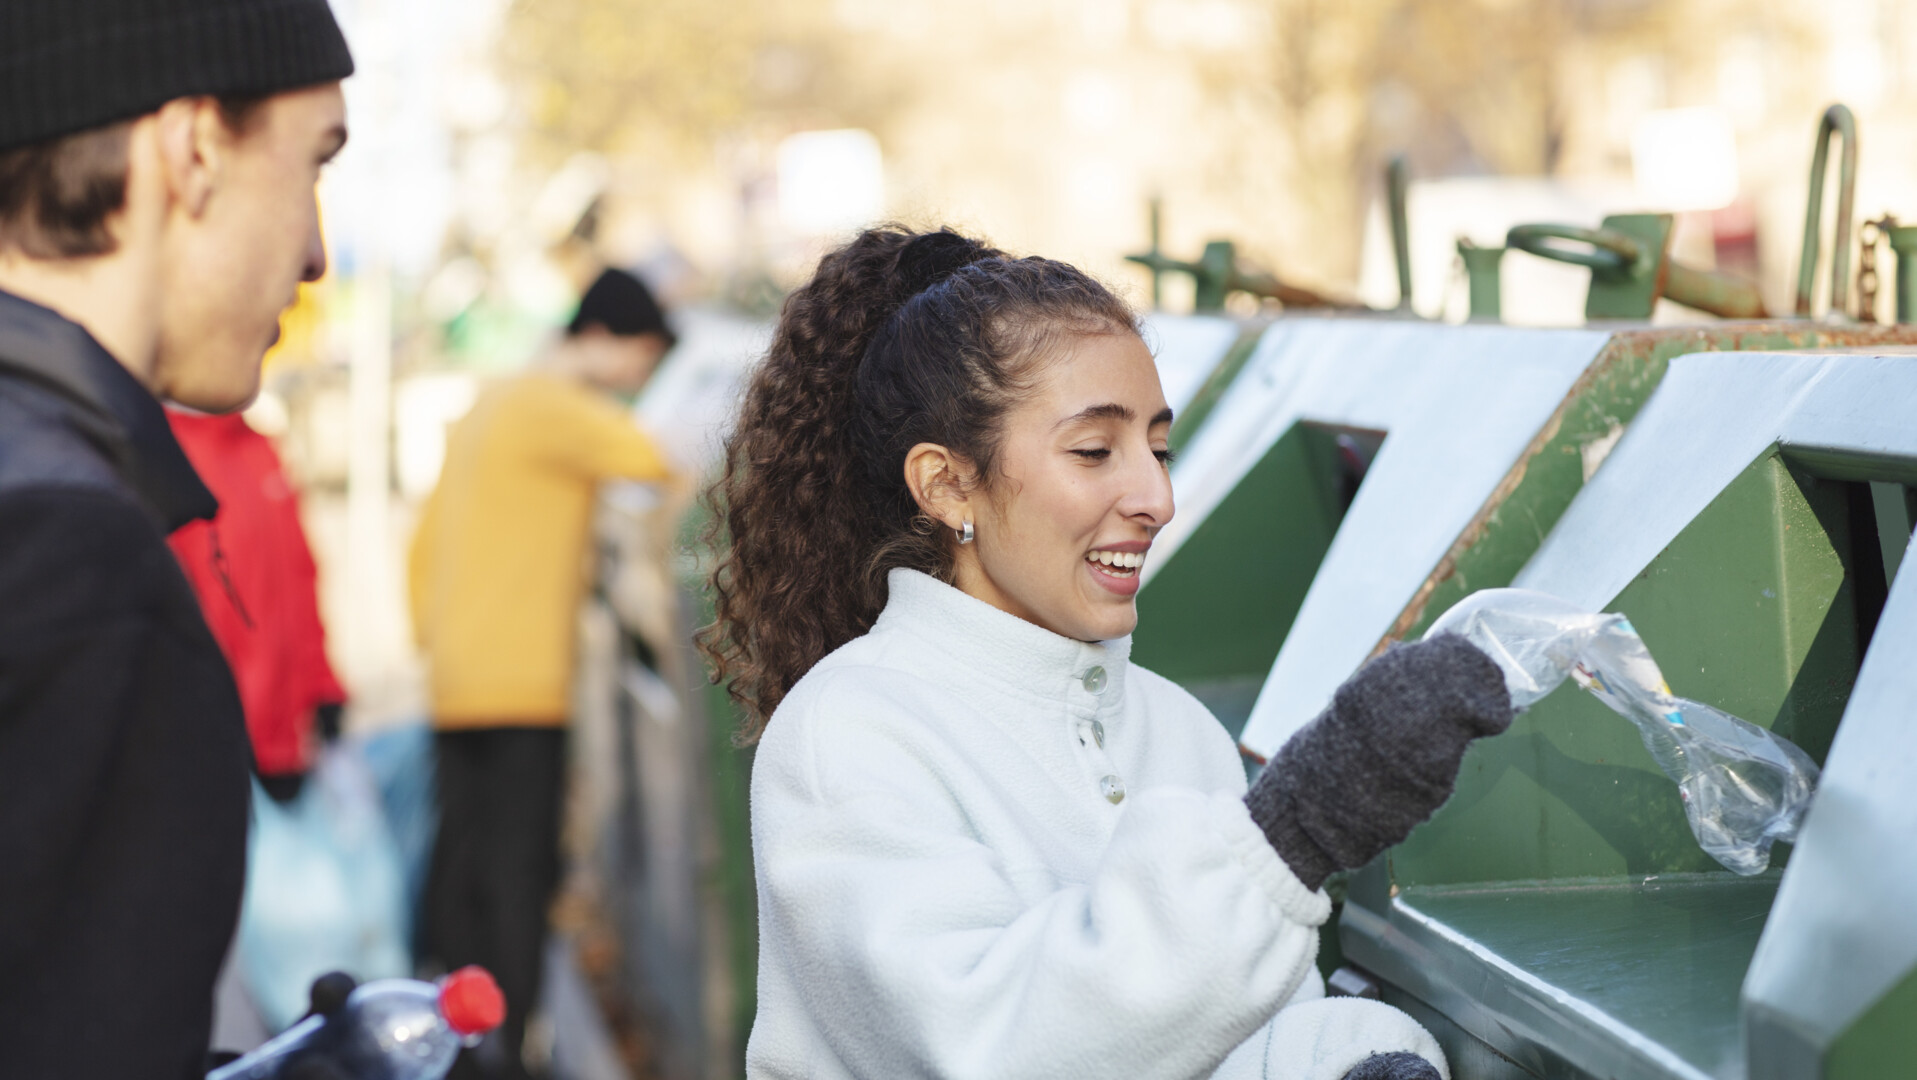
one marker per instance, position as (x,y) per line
(965,533)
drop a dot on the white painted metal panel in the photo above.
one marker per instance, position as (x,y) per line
(1187,348)
(1459,403)
(1711,417)
(691,403)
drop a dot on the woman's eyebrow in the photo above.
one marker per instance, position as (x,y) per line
(1111,410)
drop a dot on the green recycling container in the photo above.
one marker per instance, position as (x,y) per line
(1556,918)
(1351,475)
(1353,478)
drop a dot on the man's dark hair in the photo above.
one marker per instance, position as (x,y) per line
(56,196)
(621,304)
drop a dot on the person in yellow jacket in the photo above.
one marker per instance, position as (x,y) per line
(498,566)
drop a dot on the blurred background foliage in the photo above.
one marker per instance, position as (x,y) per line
(1048,123)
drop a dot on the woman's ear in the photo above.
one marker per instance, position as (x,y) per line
(941,483)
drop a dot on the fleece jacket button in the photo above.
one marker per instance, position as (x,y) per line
(1095,680)
(1113,789)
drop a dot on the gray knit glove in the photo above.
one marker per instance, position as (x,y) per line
(1381,759)
(1398,1066)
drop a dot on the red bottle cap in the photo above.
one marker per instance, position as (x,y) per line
(470,1001)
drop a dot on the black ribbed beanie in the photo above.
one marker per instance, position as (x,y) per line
(70,65)
(623,305)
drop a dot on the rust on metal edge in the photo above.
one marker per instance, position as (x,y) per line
(1622,342)
(1474,529)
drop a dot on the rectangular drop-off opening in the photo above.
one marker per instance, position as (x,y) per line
(1214,616)
(1565,852)
(1763,606)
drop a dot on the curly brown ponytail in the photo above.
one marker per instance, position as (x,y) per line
(899,338)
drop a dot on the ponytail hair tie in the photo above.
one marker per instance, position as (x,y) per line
(932,257)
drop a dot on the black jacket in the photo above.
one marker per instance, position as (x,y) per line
(123,752)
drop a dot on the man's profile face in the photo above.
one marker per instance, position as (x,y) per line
(234,267)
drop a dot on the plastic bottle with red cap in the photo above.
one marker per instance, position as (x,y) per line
(391,1029)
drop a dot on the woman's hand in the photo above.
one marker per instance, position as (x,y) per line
(1381,759)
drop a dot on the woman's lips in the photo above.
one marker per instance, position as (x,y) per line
(1126,585)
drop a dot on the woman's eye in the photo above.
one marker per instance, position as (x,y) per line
(1093,455)
(1165,456)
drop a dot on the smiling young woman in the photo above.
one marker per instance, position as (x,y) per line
(986,844)
(1081,489)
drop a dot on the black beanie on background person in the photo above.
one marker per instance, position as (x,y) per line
(623,305)
(68,66)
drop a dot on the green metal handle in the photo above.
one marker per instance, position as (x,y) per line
(1397,186)
(1903,241)
(1481,268)
(1838,121)
(1707,290)
(1611,252)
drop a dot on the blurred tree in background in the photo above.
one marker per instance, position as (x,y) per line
(1048,123)
(666,76)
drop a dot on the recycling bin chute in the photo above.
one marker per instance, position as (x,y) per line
(1339,444)
(1352,612)
(1557,915)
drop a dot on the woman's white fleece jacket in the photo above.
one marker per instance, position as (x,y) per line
(946,891)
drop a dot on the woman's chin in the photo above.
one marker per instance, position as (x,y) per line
(1104,618)
(1109,629)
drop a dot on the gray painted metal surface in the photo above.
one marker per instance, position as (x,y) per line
(1557,976)
(1842,932)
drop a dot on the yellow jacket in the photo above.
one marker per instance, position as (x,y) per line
(499,562)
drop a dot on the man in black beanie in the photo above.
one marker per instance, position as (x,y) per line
(157,169)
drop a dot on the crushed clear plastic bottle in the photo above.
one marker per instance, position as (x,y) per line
(390,1029)
(1743,787)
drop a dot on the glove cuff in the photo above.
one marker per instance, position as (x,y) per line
(1271,808)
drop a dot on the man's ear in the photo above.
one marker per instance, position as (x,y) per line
(193,145)
(941,483)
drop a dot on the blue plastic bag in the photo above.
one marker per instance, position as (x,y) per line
(325,889)
(401,759)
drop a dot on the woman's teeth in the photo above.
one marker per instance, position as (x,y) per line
(1117,563)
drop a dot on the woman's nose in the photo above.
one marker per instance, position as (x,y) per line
(1148,491)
